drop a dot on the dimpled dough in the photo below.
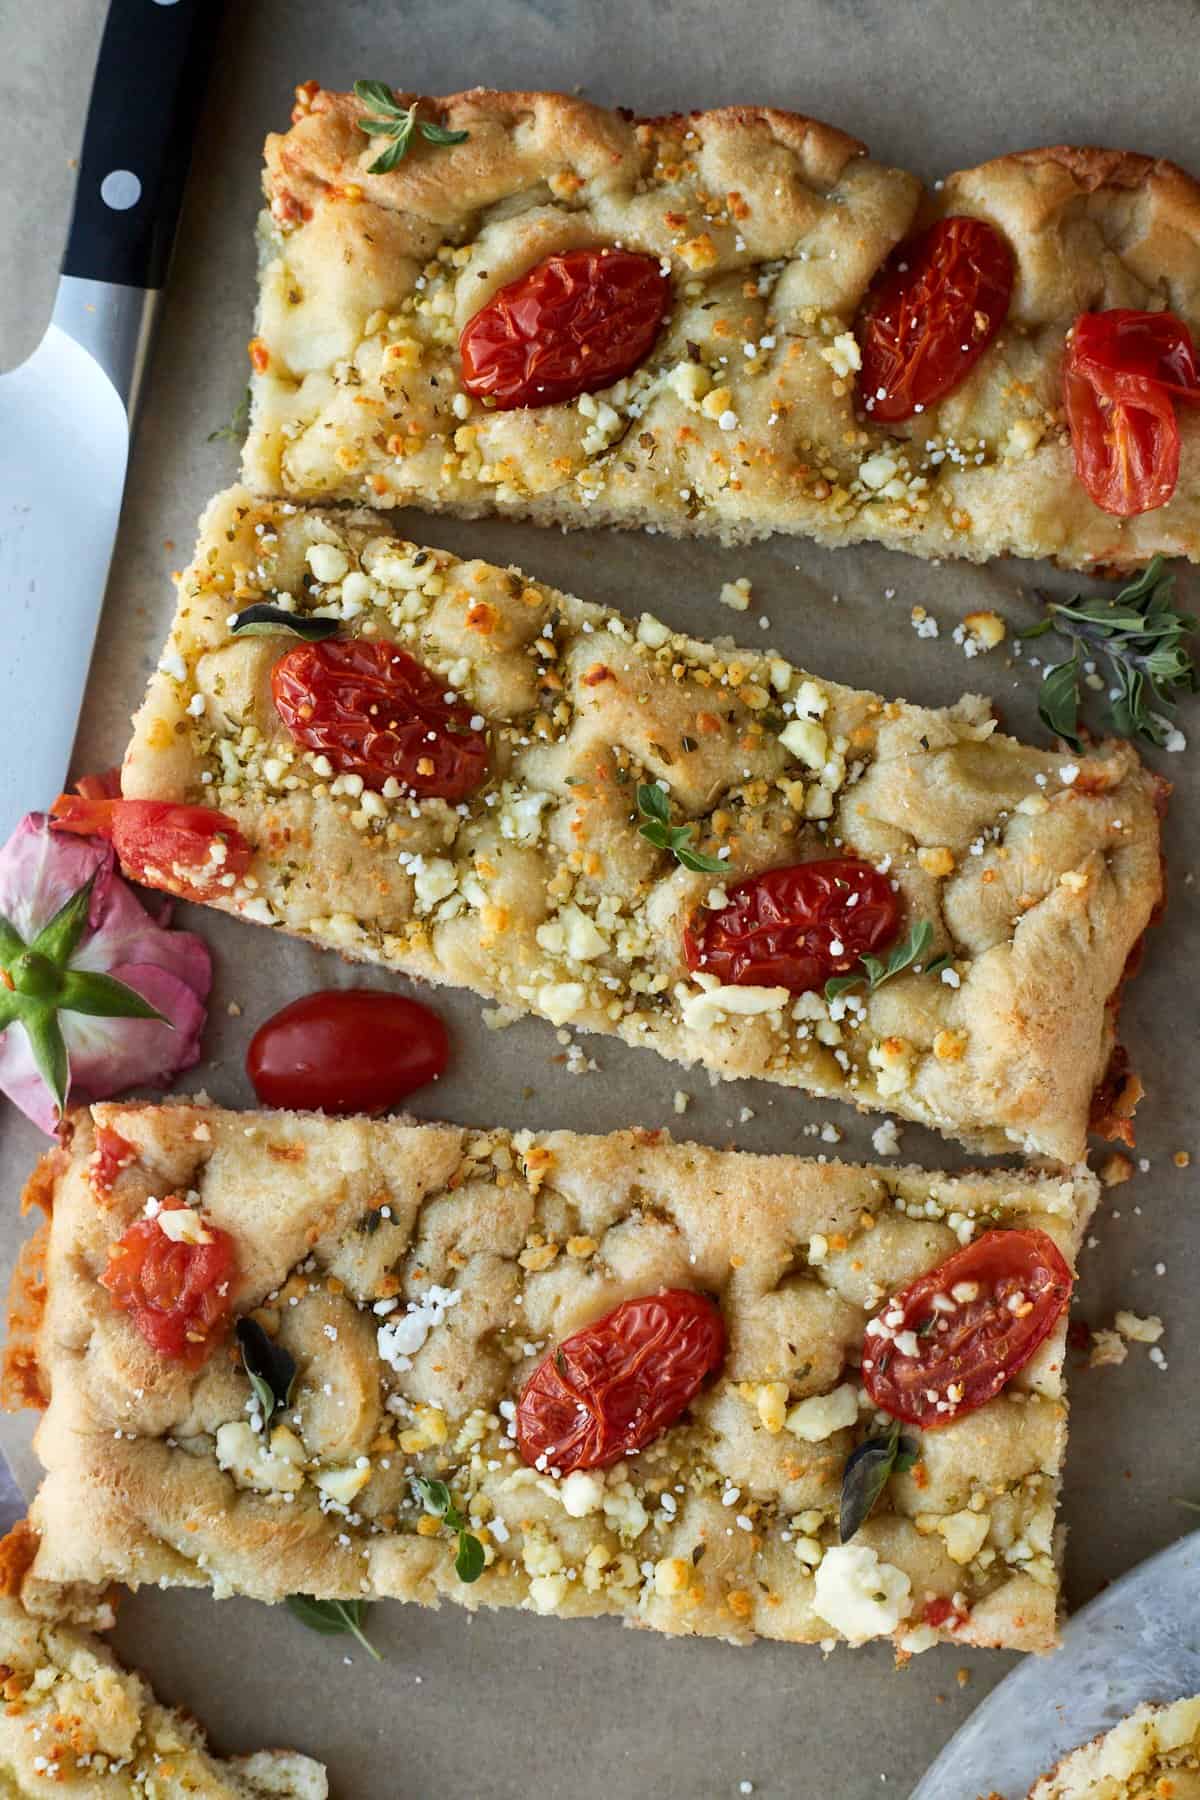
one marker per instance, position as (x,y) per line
(488,1248)
(1154,1754)
(742,420)
(1037,870)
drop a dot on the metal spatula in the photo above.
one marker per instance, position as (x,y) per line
(65,414)
(1138,1640)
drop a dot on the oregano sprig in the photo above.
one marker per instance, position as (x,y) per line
(396,124)
(263,620)
(271,1370)
(875,972)
(435,1498)
(868,1471)
(1141,638)
(239,422)
(654,809)
(333,1618)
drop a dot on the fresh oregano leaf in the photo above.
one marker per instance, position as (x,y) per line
(239,422)
(1142,639)
(655,813)
(396,125)
(874,972)
(333,1618)
(441,134)
(868,1470)
(435,1497)
(262,620)
(271,1370)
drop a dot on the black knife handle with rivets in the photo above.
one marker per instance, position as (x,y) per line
(151,74)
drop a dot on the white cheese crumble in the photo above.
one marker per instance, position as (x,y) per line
(400,1339)
(858,1595)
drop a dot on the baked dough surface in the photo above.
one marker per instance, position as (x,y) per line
(742,420)
(1154,1754)
(1038,871)
(72,1721)
(418,1274)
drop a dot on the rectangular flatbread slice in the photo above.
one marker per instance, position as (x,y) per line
(745,415)
(74,1722)
(1037,871)
(1154,1754)
(418,1275)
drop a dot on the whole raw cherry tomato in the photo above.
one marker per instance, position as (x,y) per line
(612,1387)
(193,851)
(571,325)
(178,1294)
(794,927)
(346,1050)
(932,311)
(375,711)
(1123,374)
(950,1340)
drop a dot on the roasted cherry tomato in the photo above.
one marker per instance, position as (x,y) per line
(112,1154)
(346,1050)
(375,711)
(570,325)
(794,927)
(1123,374)
(190,850)
(178,1294)
(932,311)
(950,1340)
(612,1387)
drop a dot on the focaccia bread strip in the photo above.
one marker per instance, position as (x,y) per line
(73,1721)
(1037,870)
(1154,1754)
(744,418)
(418,1274)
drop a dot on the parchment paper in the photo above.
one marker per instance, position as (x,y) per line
(512,1705)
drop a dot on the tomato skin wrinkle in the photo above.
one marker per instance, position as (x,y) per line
(933,309)
(780,928)
(375,711)
(611,1388)
(178,1296)
(191,850)
(571,325)
(346,1050)
(974,1344)
(1123,375)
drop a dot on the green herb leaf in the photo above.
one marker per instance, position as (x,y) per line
(270,1368)
(1142,640)
(333,1618)
(239,422)
(441,134)
(654,809)
(435,1497)
(396,124)
(262,620)
(104,997)
(868,1471)
(909,950)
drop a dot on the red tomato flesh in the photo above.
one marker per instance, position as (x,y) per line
(1123,374)
(347,1050)
(112,1154)
(571,325)
(794,927)
(192,851)
(966,1327)
(375,711)
(178,1295)
(934,308)
(609,1389)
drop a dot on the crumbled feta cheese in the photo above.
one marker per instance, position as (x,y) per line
(858,1595)
(821,1415)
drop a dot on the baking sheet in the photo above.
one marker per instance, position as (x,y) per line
(511,1705)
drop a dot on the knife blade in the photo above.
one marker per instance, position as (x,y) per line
(1138,1640)
(65,413)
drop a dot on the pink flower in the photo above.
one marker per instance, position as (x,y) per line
(40,871)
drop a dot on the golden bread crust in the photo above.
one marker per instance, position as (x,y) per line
(417,1275)
(1154,1754)
(743,419)
(1039,871)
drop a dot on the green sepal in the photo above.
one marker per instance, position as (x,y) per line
(104,997)
(59,939)
(40,1025)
